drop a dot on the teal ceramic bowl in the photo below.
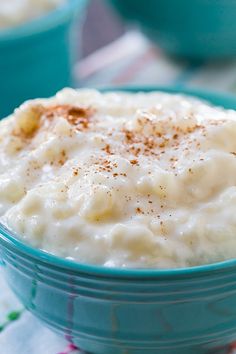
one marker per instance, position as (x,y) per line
(127,311)
(196,29)
(36,58)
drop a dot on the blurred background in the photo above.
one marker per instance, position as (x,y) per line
(102,26)
(46,45)
(177,43)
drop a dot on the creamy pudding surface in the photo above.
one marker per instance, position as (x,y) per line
(16,12)
(145,180)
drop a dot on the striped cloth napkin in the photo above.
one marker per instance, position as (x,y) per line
(130,60)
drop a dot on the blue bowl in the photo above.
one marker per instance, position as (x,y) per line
(127,311)
(196,29)
(36,58)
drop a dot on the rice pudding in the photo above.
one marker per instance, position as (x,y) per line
(121,179)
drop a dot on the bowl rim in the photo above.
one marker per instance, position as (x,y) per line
(227,101)
(43,23)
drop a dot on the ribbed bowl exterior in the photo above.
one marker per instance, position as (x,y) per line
(112,311)
(119,315)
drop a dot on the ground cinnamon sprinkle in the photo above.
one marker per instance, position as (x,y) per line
(107,149)
(162,145)
(33,117)
(154,142)
(63,158)
(77,116)
(134,150)
(133,162)
(139,211)
(104,165)
(139,143)
(129,135)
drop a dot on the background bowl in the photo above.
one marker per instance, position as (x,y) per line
(196,29)
(122,311)
(36,58)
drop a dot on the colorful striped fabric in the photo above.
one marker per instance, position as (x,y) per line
(131,60)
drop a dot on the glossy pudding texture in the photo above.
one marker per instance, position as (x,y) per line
(17,12)
(142,180)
